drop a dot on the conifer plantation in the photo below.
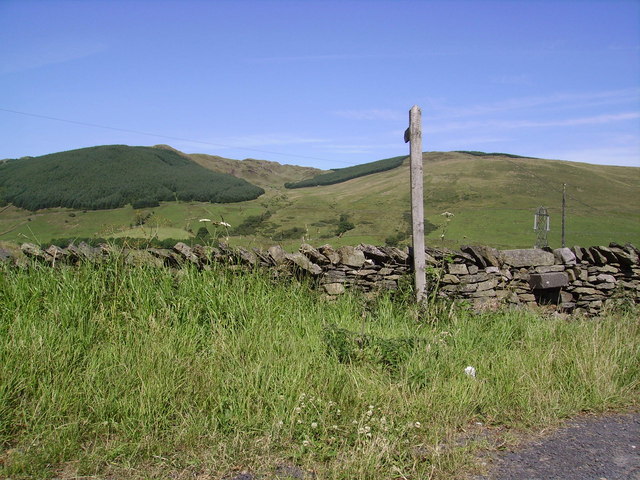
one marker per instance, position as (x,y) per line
(111,176)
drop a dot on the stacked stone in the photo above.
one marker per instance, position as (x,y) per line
(71,255)
(477,276)
(578,279)
(603,274)
(365,267)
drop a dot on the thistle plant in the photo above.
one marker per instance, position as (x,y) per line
(448,216)
(221,223)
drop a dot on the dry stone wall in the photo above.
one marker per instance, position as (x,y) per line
(567,279)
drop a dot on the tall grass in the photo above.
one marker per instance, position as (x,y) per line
(140,372)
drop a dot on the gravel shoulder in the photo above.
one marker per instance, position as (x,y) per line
(603,447)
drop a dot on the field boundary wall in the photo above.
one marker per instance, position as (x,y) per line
(577,279)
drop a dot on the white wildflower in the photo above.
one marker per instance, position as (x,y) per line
(369,413)
(417,425)
(471,371)
(447,214)
(314,425)
(305,443)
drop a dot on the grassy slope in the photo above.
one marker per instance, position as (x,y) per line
(493,199)
(263,173)
(118,372)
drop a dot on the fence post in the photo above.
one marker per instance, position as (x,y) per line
(414,136)
(564,208)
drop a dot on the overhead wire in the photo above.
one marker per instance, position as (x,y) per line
(170,137)
(271,152)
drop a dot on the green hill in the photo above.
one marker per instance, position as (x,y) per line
(112,176)
(493,198)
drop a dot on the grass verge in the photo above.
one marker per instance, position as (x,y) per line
(147,373)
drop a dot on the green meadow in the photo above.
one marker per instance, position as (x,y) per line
(112,371)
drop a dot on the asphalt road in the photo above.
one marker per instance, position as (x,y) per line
(603,447)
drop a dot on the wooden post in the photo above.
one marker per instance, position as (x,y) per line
(564,207)
(414,135)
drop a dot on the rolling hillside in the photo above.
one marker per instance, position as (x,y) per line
(263,173)
(493,198)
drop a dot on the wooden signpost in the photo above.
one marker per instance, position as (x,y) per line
(413,134)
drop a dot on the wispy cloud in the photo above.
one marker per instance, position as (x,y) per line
(519,80)
(332,57)
(259,143)
(557,101)
(593,120)
(341,57)
(625,156)
(26,58)
(508,124)
(267,140)
(372,114)
(471,142)
(362,147)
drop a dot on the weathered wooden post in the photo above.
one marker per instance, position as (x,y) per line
(564,208)
(414,135)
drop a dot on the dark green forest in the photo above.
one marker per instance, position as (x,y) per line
(343,174)
(112,176)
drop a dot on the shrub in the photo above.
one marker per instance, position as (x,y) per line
(251,224)
(295,232)
(344,225)
(145,203)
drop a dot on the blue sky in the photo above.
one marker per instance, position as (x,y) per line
(322,83)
